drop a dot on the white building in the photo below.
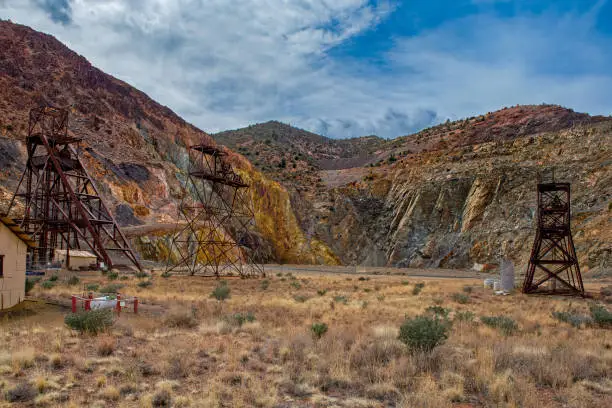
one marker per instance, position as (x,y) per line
(14,245)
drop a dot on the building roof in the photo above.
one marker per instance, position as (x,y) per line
(75,253)
(22,235)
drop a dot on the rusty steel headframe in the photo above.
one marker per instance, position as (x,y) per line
(213,234)
(62,206)
(553,265)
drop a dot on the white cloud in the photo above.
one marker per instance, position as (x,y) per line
(224,64)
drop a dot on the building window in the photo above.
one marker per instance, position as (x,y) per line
(1,266)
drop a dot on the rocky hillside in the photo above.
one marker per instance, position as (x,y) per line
(461,192)
(133,146)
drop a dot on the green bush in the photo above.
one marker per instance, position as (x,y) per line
(318,329)
(321,292)
(601,316)
(111,288)
(238,319)
(144,284)
(341,299)
(141,275)
(112,275)
(438,311)
(91,321)
(405,283)
(574,319)
(221,292)
(265,284)
(461,298)
(124,277)
(92,287)
(29,284)
(48,284)
(165,275)
(466,316)
(74,280)
(296,285)
(423,333)
(53,278)
(506,325)
(418,288)
(468,289)
(300,298)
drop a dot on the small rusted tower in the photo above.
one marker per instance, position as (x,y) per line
(213,236)
(62,208)
(553,265)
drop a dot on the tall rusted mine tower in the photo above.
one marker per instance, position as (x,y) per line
(212,236)
(553,265)
(62,208)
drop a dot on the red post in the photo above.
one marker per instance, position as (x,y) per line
(118,304)
(135,305)
(88,301)
(74,304)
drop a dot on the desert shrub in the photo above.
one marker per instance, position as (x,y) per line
(221,292)
(92,321)
(238,319)
(279,274)
(141,275)
(460,298)
(74,280)
(318,329)
(575,320)
(296,285)
(124,277)
(300,298)
(53,278)
(106,346)
(321,292)
(363,278)
(180,318)
(504,324)
(380,298)
(466,316)
(48,284)
(29,284)
(418,288)
(92,287)
(405,283)
(468,289)
(265,284)
(144,284)
(165,275)
(111,288)
(423,333)
(22,392)
(601,316)
(438,311)
(112,275)
(162,398)
(341,299)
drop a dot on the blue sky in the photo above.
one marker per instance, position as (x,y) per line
(342,68)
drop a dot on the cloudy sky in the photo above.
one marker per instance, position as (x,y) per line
(341,67)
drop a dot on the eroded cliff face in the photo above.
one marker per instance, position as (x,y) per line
(455,207)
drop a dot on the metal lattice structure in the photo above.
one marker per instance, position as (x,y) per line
(213,237)
(62,206)
(553,265)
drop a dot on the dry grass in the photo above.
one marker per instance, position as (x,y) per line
(189,350)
